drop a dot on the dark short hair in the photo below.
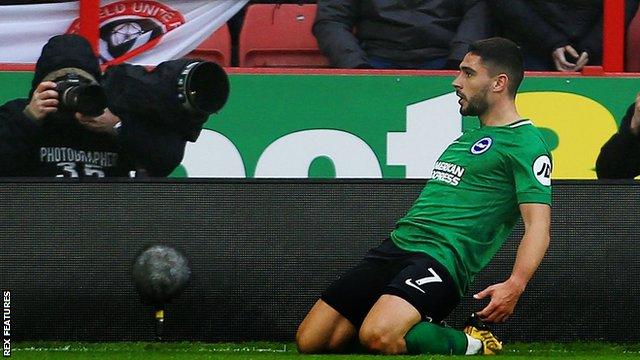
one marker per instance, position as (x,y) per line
(501,55)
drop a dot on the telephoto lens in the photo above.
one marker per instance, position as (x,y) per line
(178,95)
(203,87)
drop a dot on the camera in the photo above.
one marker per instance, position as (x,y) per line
(79,94)
(178,95)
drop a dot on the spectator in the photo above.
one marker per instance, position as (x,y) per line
(632,48)
(40,137)
(620,156)
(555,35)
(424,34)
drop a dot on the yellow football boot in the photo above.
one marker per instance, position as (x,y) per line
(475,328)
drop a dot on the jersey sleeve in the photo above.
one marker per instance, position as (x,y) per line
(531,166)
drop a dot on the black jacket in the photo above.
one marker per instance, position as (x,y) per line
(58,147)
(620,156)
(541,26)
(63,148)
(403,31)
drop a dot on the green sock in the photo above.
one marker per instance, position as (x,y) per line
(428,338)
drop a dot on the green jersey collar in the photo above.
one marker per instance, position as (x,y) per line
(520,123)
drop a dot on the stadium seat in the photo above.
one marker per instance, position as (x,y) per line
(216,48)
(632,50)
(279,35)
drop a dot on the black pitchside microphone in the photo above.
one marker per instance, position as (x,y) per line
(160,274)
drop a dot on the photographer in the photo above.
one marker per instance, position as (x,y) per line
(78,123)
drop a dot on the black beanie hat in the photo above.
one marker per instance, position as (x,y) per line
(65,51)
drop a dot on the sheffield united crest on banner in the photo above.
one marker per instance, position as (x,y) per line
(128,28)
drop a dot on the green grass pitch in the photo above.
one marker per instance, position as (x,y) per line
(270,350)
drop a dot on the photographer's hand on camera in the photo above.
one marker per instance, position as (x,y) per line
(43,102)
(105,123)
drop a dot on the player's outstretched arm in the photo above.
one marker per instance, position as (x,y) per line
(504,296)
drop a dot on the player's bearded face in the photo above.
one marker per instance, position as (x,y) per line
(475,104)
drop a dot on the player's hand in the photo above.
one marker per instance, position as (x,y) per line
(560,60)
(44,101)
(504,297)
(102,124)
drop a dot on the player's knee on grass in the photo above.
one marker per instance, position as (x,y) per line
(324,330)
(306,342)
(312,342)
(377,340)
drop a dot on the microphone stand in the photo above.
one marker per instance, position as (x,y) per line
(159,315)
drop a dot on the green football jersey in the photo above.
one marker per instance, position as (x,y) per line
(470,205)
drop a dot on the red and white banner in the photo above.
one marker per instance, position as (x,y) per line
(137,31)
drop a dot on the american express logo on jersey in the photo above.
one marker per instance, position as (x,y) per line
(447,172)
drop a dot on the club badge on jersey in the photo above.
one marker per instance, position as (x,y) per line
(481,146)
